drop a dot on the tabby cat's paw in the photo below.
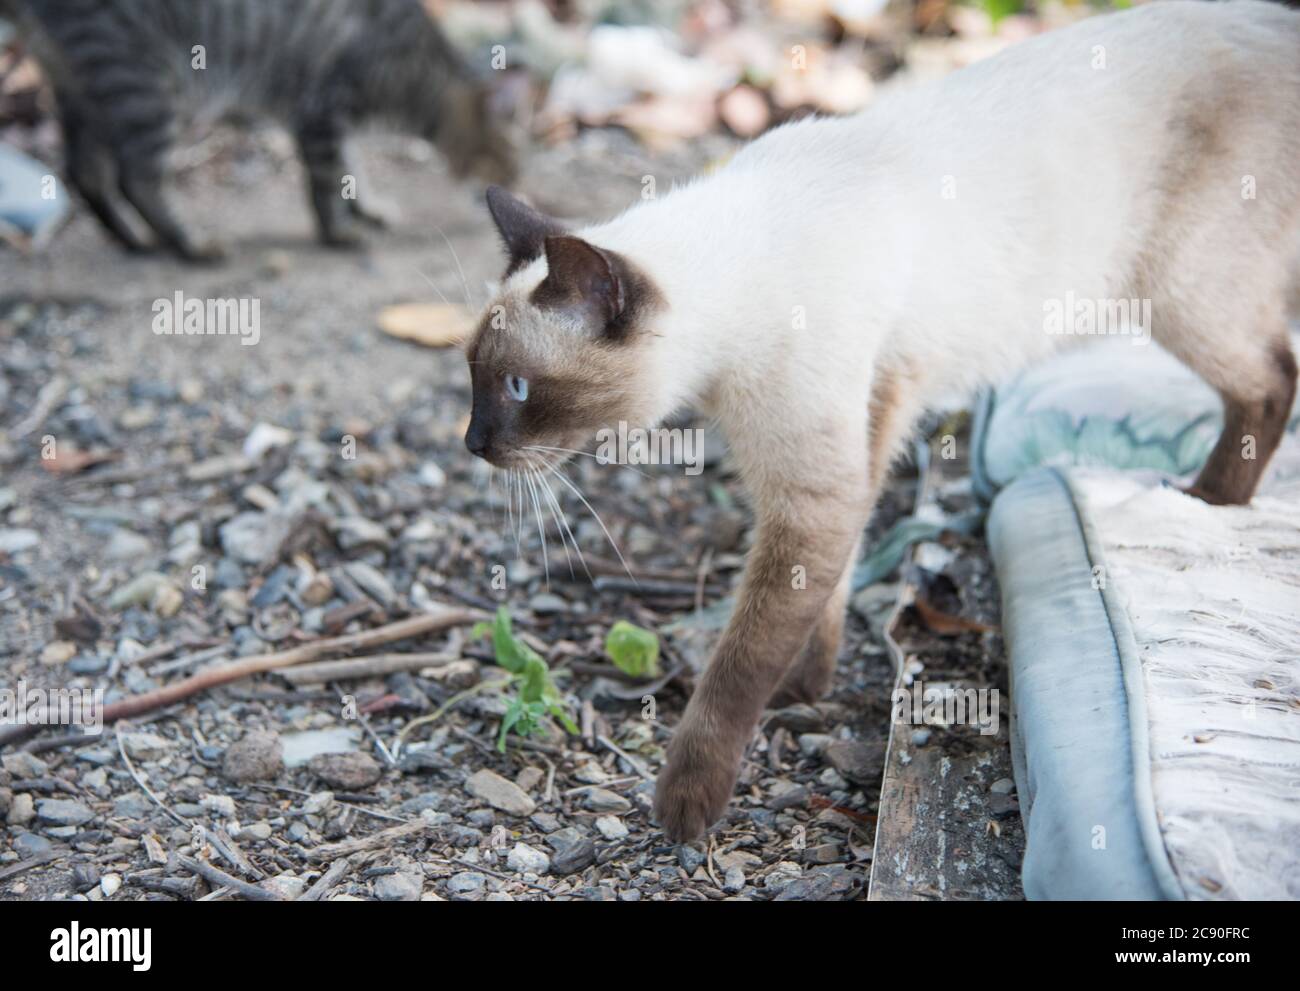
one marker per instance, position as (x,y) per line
(203,252)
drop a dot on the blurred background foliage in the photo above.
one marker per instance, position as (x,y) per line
(670,71)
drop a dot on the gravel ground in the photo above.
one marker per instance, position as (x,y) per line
(319,483)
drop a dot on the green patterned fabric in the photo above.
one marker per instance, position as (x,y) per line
(1118,404)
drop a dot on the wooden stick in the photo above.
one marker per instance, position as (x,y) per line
(350,643)
(214,875)
(25,865)
(383,838)
(363,667)
(326,881)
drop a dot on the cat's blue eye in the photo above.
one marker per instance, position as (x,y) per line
(516,388)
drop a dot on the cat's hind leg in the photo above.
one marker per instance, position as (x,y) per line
(1255,375)
(143,136)
(92,173)
(332,186)
(143,189)
(811,675)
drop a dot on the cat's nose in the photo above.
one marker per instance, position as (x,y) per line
(477,440)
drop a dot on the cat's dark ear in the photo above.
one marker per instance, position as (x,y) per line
(523,229)
(601,288)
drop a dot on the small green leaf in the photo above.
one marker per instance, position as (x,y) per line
(535,693)
(633,650)
(562,714)
(508,721)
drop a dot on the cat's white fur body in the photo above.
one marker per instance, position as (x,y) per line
(933,228)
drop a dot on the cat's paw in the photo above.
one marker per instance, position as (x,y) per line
(374,216)
(202,252)
(692,792)
(344,237)
(807,683)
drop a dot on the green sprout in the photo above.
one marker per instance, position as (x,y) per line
(535,695)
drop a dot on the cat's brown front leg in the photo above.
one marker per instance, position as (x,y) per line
(794,569)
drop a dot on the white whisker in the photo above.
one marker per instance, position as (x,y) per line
(595,515)
(427,278)
(456,258)
(541,528)
(587,454)
(563,524)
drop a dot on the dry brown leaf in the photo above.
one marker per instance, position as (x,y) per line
(945,624)
(69,461)
(435,325)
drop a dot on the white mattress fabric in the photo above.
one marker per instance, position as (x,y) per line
(1212,595)
(1153,640)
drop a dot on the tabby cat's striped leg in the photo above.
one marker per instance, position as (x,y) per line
(143,189)
(90,171)
(321,145)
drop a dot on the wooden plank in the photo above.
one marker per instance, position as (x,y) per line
(942,831)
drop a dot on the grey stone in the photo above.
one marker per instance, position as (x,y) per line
(506,796)
(30,845)
(259,756)
(285,885)
(399,887)
(734,879)
(547,603)
(255,538)
(465,882)
(861,763)
(798,718)
(354,532)
(139,591)
(63,812)
(372,582)
(786,795)
(220,805)
(835,883)
(257,832)
(604,800)
(24,765)
(84,876)
(575,856)
(690,858)
(125,546)
(528,860)
(145,746)
(299,748)
(782,875)
(13,541)
(346,772)
(611,827)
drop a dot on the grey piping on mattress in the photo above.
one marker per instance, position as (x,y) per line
(1135,691)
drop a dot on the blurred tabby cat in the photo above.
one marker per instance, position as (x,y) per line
(127,75)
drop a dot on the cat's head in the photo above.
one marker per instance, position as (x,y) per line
(475,135)
(559,352)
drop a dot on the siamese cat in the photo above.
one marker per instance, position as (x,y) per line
(838,275)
